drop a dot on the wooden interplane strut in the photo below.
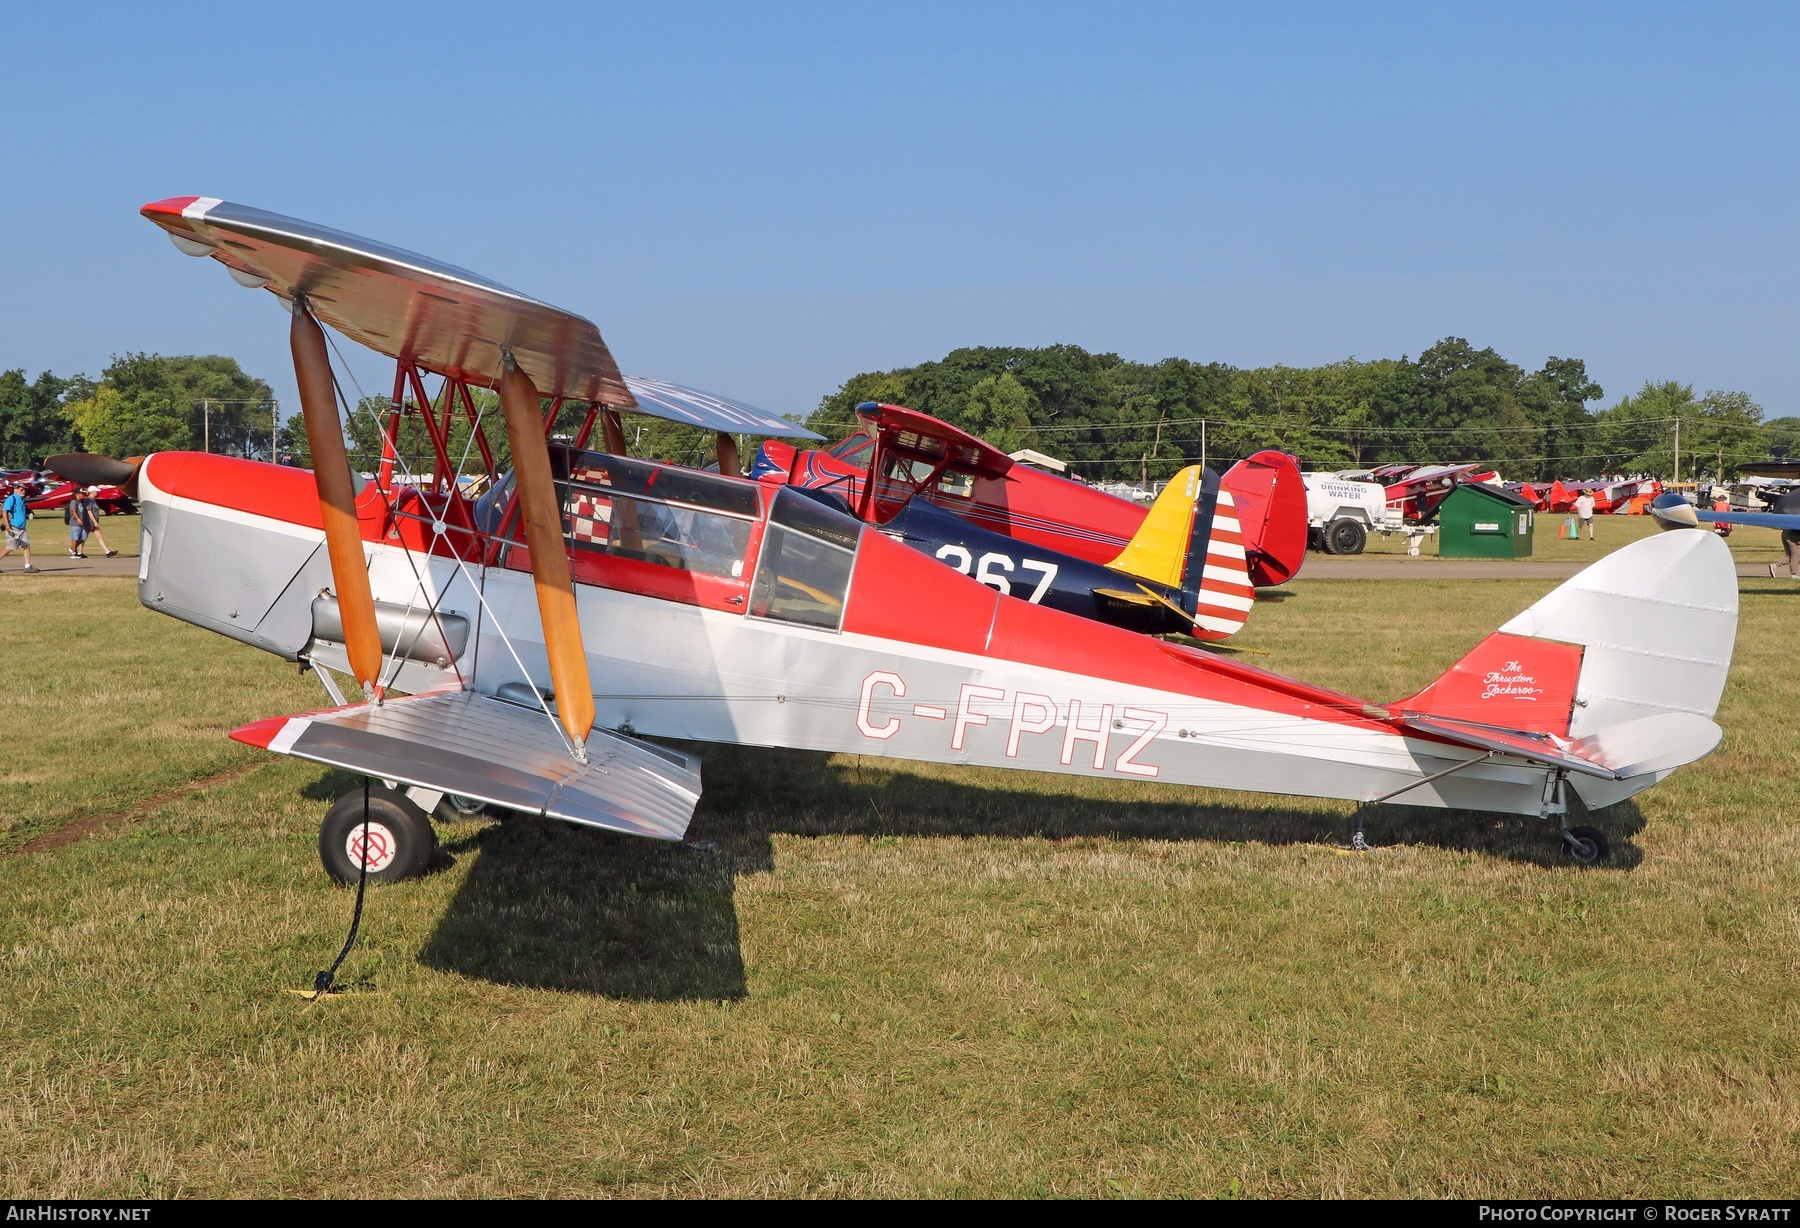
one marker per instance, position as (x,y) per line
(337,496)
(539,508)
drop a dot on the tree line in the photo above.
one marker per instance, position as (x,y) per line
(1115,419)
(1109,417)
(141,403)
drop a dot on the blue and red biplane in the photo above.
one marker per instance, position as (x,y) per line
(1189,563)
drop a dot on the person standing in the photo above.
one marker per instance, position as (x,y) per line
(1789,505)
(72,518)
(1584,512)
(90,518)
(18,522)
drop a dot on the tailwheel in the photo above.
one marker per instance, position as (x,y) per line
(1585,844)
(397,843)
(455,808)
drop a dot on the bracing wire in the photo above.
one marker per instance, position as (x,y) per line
(437,528)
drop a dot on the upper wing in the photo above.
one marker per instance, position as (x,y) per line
(1766,520)
(715,413)
(919,436)
(1673,511)
(402,304)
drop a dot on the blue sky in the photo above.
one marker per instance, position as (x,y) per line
(762,200)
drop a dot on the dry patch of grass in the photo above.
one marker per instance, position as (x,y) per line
(105,704)
(926,980)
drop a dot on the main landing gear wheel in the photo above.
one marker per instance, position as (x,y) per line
(400,841)
(1585,844)
(1345,536)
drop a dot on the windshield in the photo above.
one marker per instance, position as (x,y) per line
(854,450)
(808,555)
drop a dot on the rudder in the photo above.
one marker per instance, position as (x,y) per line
(1191,542)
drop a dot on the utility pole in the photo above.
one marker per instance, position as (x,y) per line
(1203,443)
(1678,447)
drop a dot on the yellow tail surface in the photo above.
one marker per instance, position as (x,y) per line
(1158,551)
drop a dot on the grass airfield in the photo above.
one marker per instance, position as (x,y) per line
(890,979)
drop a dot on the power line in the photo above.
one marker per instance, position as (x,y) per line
(1348,430)
(1501,460)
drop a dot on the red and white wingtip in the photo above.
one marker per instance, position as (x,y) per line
(180,217)
(171,206)
(279,733)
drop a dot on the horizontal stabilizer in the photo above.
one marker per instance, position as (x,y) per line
(1651,744)
(500,753)
(1537,747)
(1138,598)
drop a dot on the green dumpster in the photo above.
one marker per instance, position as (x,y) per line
(1478,521)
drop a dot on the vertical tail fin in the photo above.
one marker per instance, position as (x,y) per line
(1159,550)
(1191,542)
(1270,496)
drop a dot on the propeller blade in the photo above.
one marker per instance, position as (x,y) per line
(91,469)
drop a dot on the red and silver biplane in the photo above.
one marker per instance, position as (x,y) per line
(514,649)
(1417,491)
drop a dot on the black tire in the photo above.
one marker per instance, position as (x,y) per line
(455,809)
(1587,845)
(1345,536)
(400,836)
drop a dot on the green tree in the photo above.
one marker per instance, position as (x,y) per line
(1638,434)
(1781,439)
(836,415)
(1555,400)
(32,425)
(113,424)
(222,407)
(1457,403)
(999,411)
(1731,431)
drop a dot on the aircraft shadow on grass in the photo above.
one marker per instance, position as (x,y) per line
(552,906)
